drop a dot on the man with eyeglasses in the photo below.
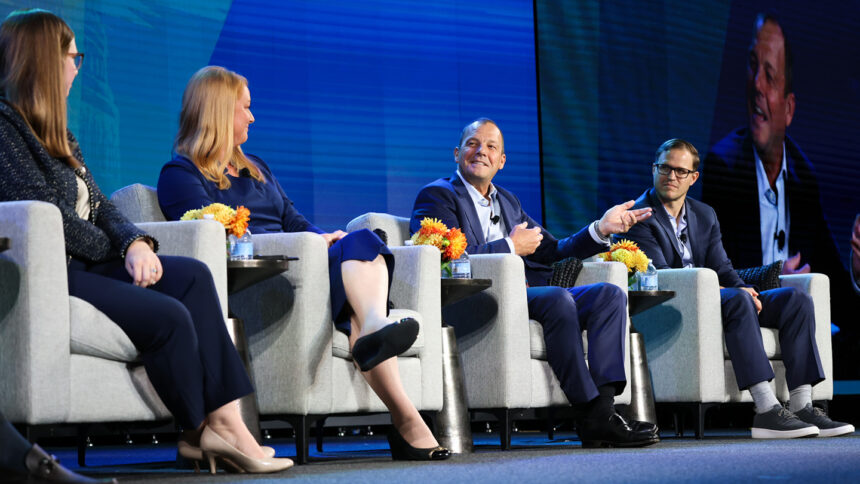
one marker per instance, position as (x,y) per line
(686,233)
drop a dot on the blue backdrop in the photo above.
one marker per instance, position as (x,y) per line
(357,104)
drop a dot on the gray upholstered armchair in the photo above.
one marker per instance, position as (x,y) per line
(302,365)
(686,350)
(62,361)
(503,351)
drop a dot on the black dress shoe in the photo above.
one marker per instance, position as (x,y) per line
(401,450)
(371,350)
(641,425)
(613,432)
(43,467)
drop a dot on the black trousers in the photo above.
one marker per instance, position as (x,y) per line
(178,328)
(13,447)
(789,311)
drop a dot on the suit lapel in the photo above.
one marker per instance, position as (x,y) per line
(693,232)
(663,221)
(471,226)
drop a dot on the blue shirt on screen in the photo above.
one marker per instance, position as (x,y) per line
(182,187)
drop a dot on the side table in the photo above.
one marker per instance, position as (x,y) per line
(642,391)
(4,244)
(240,275)
(453,426)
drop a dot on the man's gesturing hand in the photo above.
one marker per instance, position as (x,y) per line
(526,241)
(620,218)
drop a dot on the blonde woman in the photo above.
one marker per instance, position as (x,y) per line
(167,306)
(210,166)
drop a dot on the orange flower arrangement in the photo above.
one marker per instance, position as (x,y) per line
(450,242)
(236,221)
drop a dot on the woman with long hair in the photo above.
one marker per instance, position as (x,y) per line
(209,166)
(167,306)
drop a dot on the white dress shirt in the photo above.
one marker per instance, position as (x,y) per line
(773,211)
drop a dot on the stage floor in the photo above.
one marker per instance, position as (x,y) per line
(723,456)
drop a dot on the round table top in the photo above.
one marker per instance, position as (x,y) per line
(454,290)
(642,300)
(247,272)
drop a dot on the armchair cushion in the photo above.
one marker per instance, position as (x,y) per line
(538,344)
(94,334)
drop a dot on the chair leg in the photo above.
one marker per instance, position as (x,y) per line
(320,425)
(82,445)
(301,424)
(504,417)
(550,424)
(699,413)
(678,418)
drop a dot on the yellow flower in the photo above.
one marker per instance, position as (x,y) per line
(221,212)
(624,256)
(195,214)
(640,261)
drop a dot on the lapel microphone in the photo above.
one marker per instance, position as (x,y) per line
(683,238)
(495,219)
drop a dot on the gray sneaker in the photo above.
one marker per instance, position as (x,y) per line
(829,428)
(779,423)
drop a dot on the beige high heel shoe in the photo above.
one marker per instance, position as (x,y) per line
(193,453)
(213,446)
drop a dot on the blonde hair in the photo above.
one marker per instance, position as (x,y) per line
(33,46)
(206,124)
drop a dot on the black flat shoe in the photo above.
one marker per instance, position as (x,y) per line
(371,350)
(401,450)
(613,432)
(43,467)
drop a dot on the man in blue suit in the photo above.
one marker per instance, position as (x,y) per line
(685,233)
(494,222)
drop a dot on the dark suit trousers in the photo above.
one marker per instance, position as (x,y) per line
(178,328)
(13,447)
(601,310)
(790,312)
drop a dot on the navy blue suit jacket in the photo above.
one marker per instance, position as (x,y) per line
(729,185)
(447,200)
(657,238)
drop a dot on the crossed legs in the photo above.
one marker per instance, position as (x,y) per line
(366,286)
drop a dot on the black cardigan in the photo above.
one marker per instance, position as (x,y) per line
(28,172)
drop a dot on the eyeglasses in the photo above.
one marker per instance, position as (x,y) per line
(680,173)
(78,57)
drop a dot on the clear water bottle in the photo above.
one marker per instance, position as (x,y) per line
(648,280)
(461,268)
(242,248)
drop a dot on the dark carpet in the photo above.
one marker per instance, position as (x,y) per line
(729,456)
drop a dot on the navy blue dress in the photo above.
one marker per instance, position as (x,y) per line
(182,187)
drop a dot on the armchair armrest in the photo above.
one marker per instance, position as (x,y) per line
(818,288)
(491,327)
(416,286)
(200,239)
(34,314)
(288,326)
(684,338)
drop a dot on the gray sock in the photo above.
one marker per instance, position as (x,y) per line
(762,395)
(799,398)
